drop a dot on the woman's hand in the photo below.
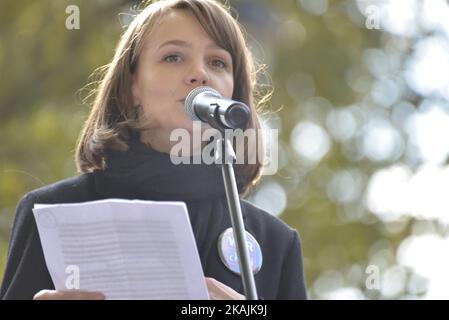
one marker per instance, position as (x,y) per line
(68,295)
(216,289)
(220,291)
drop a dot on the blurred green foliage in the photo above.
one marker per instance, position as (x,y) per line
(43,67)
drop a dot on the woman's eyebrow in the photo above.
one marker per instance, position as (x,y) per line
(183,43)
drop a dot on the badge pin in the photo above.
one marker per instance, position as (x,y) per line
(227,249)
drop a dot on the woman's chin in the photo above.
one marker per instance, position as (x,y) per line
(196,128)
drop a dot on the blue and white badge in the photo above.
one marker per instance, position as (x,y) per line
(227,249)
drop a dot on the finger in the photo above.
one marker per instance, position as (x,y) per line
(46,295)
(82,295)
(211,288)
(212,284)
(219,291)
(68,295)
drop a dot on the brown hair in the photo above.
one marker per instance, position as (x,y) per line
(113,112)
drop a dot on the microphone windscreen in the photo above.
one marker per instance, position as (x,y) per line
(189,105)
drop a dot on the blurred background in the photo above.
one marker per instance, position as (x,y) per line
(361,90)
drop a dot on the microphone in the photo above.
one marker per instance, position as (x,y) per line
(207,105)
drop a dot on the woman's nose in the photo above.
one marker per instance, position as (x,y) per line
(197,76)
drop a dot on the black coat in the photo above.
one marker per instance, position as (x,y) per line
(281,275)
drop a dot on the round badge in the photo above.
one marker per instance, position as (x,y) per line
(227,249)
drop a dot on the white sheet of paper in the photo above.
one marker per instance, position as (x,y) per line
(127,249)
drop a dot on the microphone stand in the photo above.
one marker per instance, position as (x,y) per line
(226,155)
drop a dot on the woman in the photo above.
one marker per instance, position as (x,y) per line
(170,48)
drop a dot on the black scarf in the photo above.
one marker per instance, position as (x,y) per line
(144,173)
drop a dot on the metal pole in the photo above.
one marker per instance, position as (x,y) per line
(227,154)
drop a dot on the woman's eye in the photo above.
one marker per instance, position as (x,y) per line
(218,63)
(173,58)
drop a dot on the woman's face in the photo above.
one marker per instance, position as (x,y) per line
(177,57)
